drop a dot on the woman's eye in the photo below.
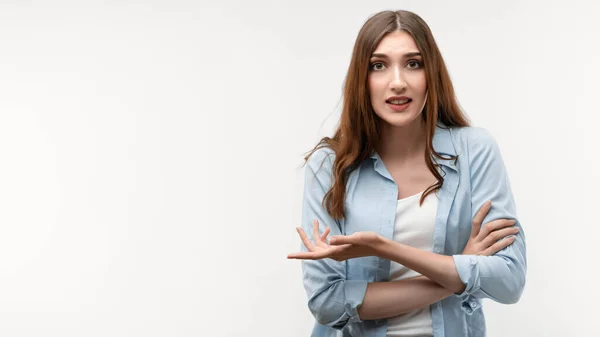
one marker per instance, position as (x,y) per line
(415,64)
(374,65)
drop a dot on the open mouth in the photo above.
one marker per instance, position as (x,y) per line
(399,102)
(399,105)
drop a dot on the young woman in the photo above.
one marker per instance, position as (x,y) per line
(404,186)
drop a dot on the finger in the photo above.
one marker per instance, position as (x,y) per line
(318,240)
(478,218)
(316,235)
(324,235)
(319,254)
(305,239)
(338,240)
(498,246)
(302,256)
(495,225)
(499,234)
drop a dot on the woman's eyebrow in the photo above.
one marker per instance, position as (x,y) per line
(384,56)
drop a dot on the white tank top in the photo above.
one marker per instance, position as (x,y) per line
(413,227)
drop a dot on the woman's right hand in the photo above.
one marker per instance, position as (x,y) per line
(485,241)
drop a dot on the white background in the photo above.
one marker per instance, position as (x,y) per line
(151,152)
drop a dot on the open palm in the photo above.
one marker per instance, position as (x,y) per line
(340,247)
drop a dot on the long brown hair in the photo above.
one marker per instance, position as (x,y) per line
(358,132)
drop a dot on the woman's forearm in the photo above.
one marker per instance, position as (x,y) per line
(438,268)
(389,299)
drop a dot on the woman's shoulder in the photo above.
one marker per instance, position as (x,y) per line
(473,137)
(322,157)
(478,145)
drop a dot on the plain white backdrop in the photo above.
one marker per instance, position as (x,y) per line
(151,152)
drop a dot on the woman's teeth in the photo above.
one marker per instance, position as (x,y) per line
(400,101)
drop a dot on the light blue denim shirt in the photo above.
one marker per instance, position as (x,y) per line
(336,289)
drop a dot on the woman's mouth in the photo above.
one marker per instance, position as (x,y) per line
(399,105)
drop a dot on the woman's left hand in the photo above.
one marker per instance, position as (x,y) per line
(340,247)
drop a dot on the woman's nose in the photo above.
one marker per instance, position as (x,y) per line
(397,83)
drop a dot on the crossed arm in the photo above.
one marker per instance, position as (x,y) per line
(388,299)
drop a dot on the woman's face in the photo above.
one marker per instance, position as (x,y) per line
(396,69)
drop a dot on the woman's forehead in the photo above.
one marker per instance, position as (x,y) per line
(396,44)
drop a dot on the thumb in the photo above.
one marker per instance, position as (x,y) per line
(337,240)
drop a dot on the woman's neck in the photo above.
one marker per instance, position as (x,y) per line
(401,143)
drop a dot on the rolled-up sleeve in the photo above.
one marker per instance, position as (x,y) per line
(332,299)
(500,277)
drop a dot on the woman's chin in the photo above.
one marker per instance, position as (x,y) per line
(399,119)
